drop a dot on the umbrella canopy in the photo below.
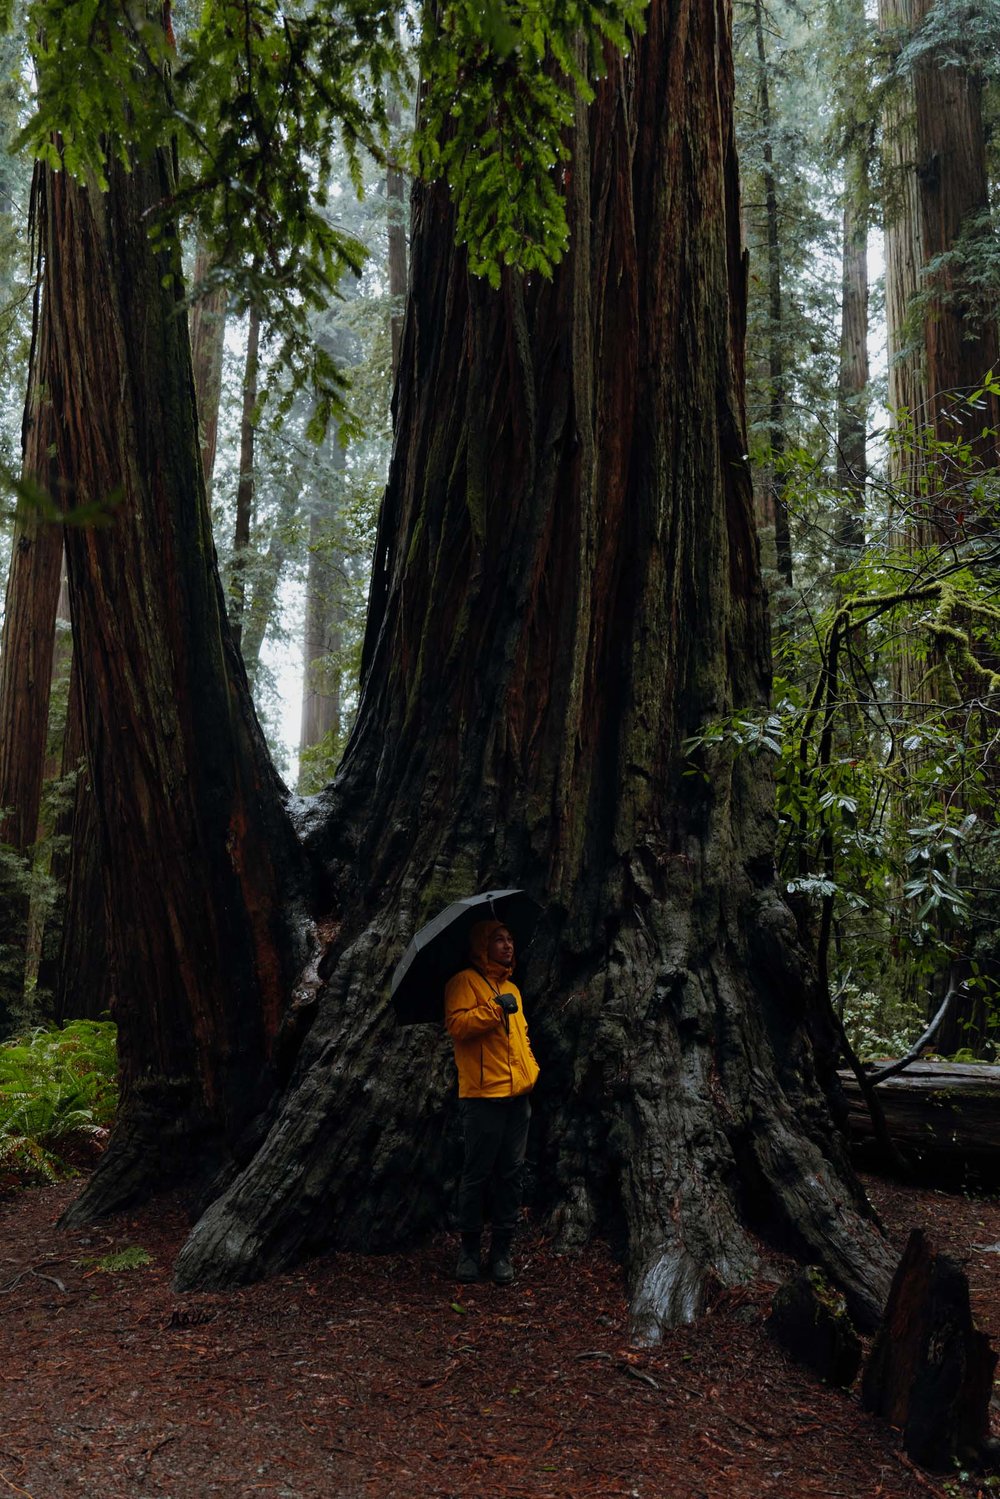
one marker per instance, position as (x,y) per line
(441,948)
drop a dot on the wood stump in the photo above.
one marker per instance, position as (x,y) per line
(809,1318)
(931,1370)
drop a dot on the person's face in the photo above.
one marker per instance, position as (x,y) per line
(500,948)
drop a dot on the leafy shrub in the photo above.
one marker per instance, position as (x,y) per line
(57,1087)
(879,1027)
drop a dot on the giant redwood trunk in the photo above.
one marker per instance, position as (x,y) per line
(567,586)
(201,868)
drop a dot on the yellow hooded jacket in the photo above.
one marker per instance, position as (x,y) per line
(492,1060)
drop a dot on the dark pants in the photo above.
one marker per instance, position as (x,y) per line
(496,1136)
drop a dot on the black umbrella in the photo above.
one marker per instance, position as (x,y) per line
(441,948)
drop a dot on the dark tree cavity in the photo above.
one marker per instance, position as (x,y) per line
(566,586)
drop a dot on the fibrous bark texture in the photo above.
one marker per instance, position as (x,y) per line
(566,586)
(199,858)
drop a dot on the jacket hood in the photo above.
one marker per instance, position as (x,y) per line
(479,938)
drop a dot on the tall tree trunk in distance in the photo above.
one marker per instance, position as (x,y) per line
(394,192)
(904,255)
(208,339)
(245,484)
(27,642)
(268,574)
(937,182)
(960,344)
(324,623)
(852,379)
(778,508)
(202,871)
(566,587)
(50,824)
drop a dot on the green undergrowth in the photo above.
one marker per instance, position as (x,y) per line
(58,1093)
(132,1258)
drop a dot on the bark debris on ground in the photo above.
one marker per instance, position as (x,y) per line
(381,1378)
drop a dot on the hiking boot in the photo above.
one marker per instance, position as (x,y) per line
(501,1269)
(468,1265)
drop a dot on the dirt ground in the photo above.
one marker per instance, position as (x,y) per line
(376,1377)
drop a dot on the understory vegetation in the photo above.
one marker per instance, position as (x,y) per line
(888,844)
(58,1094)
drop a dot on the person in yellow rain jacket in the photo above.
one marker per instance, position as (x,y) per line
(496,1073)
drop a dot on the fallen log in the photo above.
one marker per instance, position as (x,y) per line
(943,1117)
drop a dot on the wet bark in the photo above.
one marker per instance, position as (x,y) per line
(566,586)
(201,869)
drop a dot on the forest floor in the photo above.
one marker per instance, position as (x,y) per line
(376,1377)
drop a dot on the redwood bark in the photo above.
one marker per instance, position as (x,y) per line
(566,586)
(201,869)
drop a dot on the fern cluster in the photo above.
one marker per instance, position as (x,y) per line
(56,1087)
